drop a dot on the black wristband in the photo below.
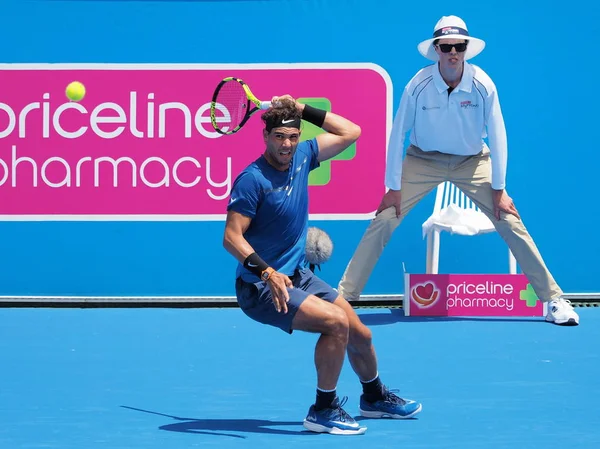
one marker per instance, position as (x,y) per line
(314,115)
(255,264)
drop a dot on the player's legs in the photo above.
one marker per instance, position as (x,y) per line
(360,349)
(358,342)
(472,175)
(319,315)
(421,173)
(308,313)
(376,401)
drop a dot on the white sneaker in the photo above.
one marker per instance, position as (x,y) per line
(560,311)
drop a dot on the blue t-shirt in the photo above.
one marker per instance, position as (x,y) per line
(277,203)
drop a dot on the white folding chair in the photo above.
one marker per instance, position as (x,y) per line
(454,212)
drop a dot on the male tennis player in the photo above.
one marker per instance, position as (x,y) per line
(447,107)
(266,228)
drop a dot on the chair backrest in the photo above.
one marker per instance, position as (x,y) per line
(447,193)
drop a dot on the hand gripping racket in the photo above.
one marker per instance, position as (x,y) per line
(233,103)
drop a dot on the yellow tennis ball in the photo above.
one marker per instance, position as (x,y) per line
(75,91)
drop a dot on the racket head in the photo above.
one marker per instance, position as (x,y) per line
(232,105)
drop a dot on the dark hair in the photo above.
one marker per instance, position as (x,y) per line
(286,111)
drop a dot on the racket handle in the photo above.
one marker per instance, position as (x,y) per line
(265,104)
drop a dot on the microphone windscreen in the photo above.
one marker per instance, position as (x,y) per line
(318,246)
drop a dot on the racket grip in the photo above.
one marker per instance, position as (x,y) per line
(265,104)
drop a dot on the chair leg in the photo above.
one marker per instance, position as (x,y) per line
(512,263)
(435,251)
(429,254)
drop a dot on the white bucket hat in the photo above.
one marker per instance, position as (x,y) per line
(451,27)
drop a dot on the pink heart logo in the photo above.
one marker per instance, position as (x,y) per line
(425,291)
(425,295)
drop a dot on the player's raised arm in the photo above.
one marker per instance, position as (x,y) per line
(341,132)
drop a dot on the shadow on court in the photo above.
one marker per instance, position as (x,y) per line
(391,316)
(217,426)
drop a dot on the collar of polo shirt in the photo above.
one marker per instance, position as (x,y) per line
(466,82)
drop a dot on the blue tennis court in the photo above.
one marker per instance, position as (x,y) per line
(124,378)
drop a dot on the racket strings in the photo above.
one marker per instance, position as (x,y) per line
(232,97)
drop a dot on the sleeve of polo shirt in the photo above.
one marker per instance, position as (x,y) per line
(403,122)
(313,153)
(245,195)
(497,139)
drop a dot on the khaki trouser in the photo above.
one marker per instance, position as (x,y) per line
(422,172)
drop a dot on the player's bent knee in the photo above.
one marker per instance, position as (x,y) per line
(337,323)
(317,315)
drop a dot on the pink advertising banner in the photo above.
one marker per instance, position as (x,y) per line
(495,295)
(140,146)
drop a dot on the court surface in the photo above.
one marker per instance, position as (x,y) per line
(186,378)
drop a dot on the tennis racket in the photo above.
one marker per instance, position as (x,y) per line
(233,103)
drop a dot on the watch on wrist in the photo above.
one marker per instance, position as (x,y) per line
(266,274)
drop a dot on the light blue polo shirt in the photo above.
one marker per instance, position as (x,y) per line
(454,123)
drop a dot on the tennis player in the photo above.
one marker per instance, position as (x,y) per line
(449,107)
(267,221)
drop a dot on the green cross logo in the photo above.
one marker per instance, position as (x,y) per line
(529,296)
(322,175)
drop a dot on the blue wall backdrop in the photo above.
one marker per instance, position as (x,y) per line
(543,60)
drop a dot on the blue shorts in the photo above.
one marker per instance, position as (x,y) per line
(255,298)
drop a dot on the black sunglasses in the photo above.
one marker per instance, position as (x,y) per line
(447,48)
